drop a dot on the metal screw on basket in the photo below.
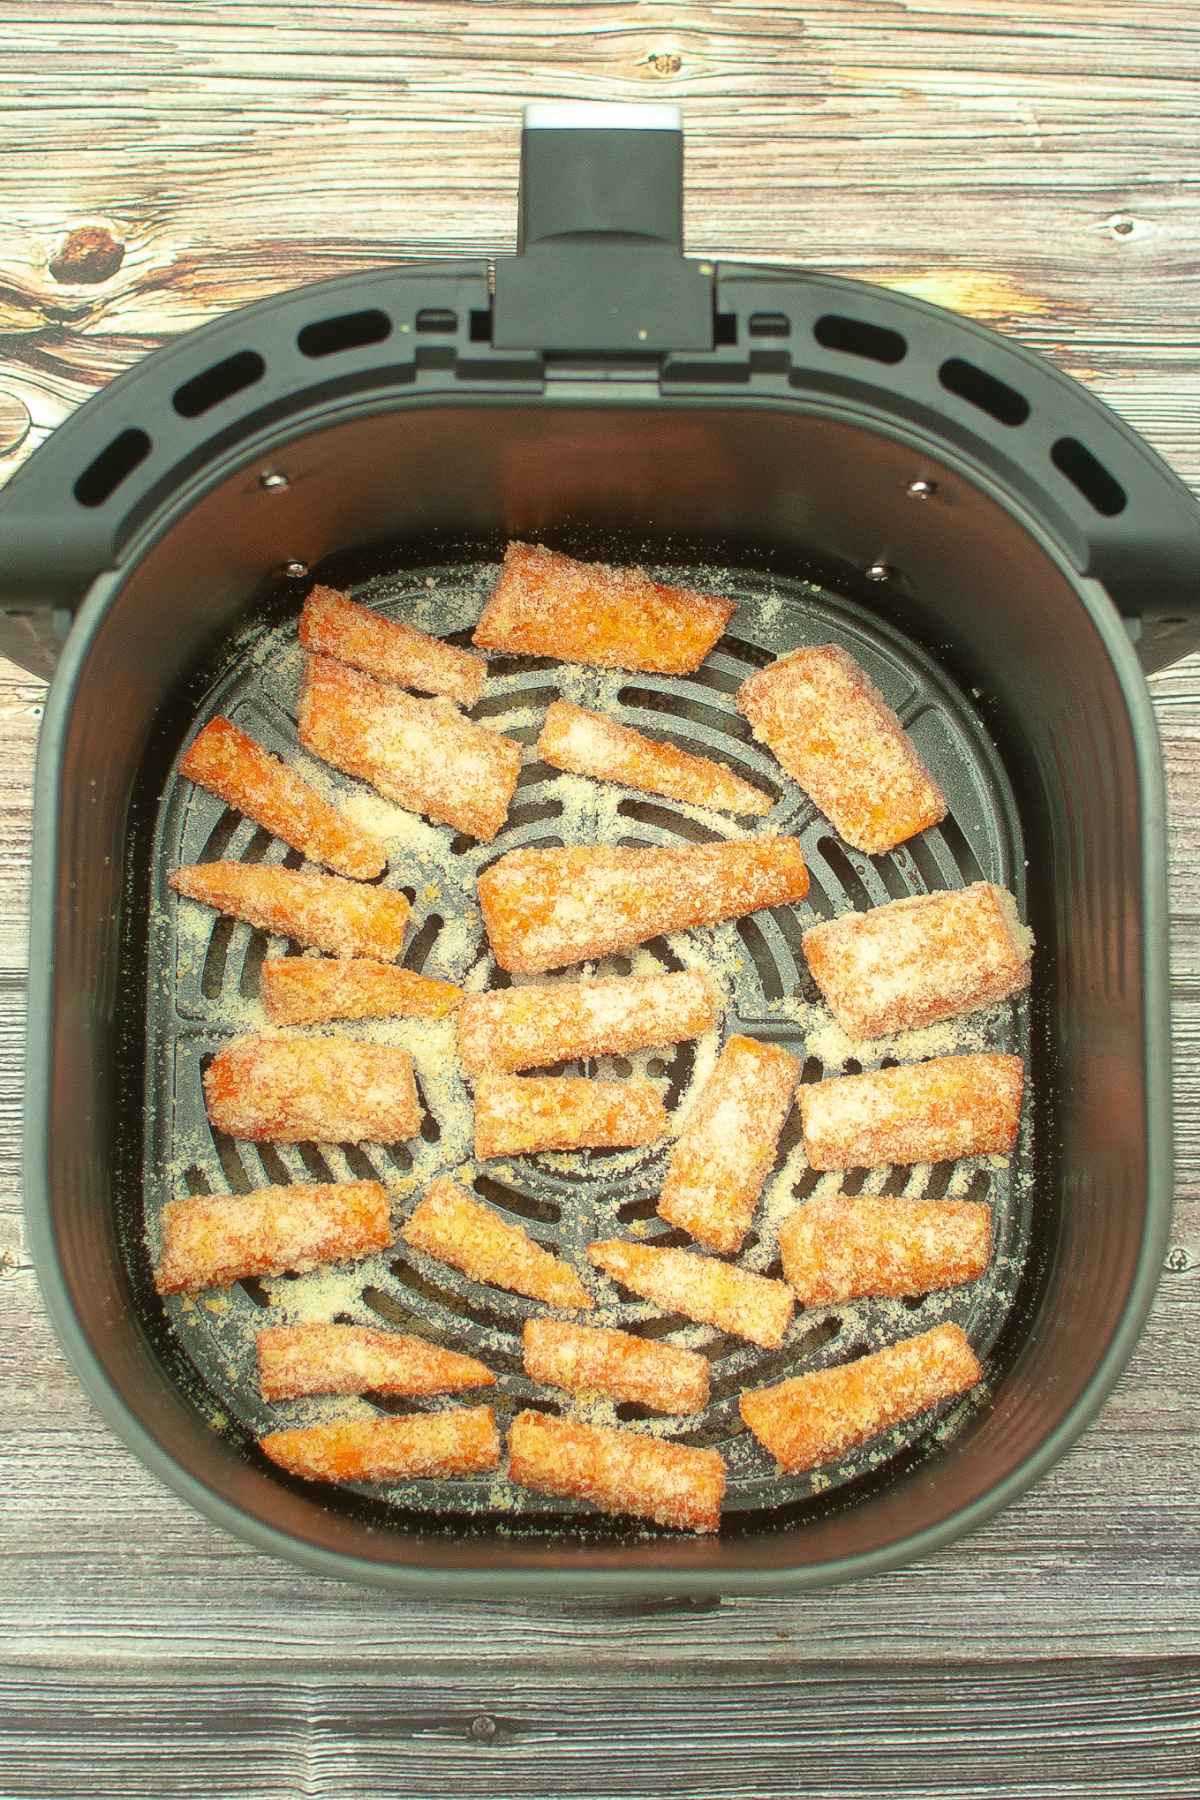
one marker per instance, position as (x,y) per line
(295,569)
(272,482)
(921,489)
(879,571)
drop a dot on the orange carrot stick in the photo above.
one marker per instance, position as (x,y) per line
(462,1441)
(618,1471)
(916,961)
(423,754)
(321,912)
(307,990)
(725,1150)
(921,1112)
(452,1225)
(248,778)
(590,743)
(546,908)
(700,1287)
(530,1027)
(312,1090)
(814,1419)
(388,649)
(296,1360)
(838,1248)
(837,736)
(516,1115)
(545,604)
(593,1359)
(211,1240)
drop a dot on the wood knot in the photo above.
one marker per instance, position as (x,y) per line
(14,423)
(90,253)
(665,62)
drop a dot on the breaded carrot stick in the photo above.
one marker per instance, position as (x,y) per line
(838,1248)
(916,961)
(591,1359)
(618,1471)
(451,1224)
(423,754)
(590,743)
(245,776)
(832,730)
(545,604)
(321,912)
(388,649)
(546,908)
(701,1288)
(816,1418)
(462,1441)
(211,1240)
(922,1112)
(306,990)
(531,1027)
(516,1115)
(323,1090)
(725,1150)
(295,1360)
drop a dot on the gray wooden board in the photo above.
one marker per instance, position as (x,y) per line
(1034,165)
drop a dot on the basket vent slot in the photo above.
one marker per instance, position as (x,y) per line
(987,392)
(858,337)
(221,382)
(436,318)
(769,325)
(104,475)
(346,331)
(1089,477)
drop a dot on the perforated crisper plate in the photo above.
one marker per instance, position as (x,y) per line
(204,988)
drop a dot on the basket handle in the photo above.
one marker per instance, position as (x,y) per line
(600,270)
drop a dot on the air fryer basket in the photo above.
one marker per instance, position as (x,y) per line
(821,456)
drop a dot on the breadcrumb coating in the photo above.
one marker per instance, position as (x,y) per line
(915,962)
(323,1090)
(921,1112)
(816,1418)
(618,1471)
(388,649)
(546,604)
(322,912)
(211,1240)
(454,1226)
(834,733)
(546,908)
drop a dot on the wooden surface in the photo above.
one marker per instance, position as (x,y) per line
(1034,165)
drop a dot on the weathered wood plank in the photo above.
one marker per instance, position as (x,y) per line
(835,135)
(1031,164)
(1028,1731)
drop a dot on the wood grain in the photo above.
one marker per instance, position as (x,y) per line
(1033,165)
(1023,1730)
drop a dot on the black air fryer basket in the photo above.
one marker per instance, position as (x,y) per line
(1004,555)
